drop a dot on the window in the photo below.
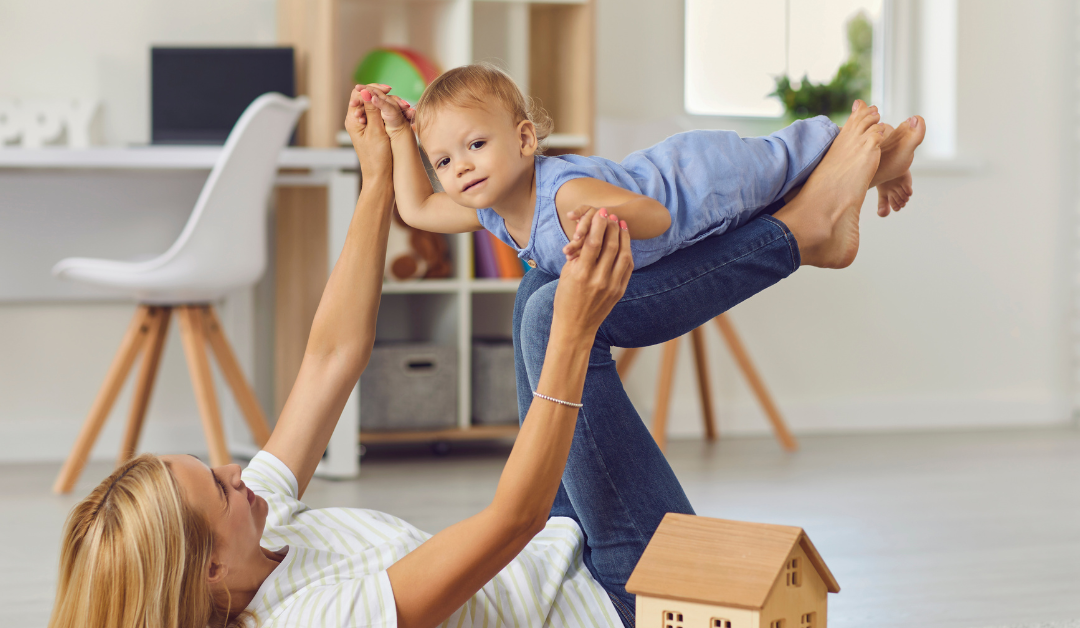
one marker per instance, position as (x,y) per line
(937,73)
(718,622)
(792,575)
(808,620)
(778,623)
(673,619)
(736,49)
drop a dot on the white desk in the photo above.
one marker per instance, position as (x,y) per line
(164,158)
(335,169)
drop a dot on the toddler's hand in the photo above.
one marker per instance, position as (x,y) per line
(356,118)
(397,114)
(583,215)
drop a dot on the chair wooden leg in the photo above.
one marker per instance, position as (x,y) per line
(230,367)
(742,358)
(701,361)
(663,392)
(134,338)
(193,334)
(144,383)
(626,360)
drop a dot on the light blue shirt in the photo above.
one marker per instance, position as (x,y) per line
(710,181)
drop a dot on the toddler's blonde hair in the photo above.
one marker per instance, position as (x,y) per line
(481,84)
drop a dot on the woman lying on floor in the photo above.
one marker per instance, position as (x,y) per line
(167,542)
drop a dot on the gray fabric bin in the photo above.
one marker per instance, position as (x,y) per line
(494,388)
(409,386)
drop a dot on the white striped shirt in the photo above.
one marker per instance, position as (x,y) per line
(334,572)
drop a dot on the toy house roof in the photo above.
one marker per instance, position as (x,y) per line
(721,562)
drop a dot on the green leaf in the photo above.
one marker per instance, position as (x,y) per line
(852,78)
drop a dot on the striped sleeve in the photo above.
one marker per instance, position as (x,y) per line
(269,478)
(366,602)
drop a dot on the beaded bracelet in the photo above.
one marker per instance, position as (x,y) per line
(565,403)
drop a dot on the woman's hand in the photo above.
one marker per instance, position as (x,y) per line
(397,115)
(594,281)
(365,127)
(583,215)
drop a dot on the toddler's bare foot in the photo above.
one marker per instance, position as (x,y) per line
(898,149)
(824,216)
(893,195)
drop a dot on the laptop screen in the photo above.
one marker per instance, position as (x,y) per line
(198,94)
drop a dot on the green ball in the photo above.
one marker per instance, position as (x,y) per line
(391,68)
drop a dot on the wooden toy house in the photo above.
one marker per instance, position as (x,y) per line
(713,573)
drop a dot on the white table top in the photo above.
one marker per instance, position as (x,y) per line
(164,158)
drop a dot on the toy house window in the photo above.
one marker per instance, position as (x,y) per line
(673,619)
(792,575)
(718,622)
(808,620)
(779,623)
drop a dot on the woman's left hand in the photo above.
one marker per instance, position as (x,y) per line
(594,281)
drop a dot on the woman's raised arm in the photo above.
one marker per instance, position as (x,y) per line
(435,579)
(343,330)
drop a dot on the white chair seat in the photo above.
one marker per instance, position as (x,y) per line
(223,245)
(154,281)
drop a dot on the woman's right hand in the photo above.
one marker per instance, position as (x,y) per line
(397,114)
(368,135)
(594,281)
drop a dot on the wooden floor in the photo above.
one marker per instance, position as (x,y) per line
(957,530)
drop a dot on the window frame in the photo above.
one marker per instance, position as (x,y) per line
(879,69)
(899,87)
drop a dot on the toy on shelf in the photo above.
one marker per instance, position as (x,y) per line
(494,259)
(415,254)
(404,69)
(699,572)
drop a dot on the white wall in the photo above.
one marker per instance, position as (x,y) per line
(954,313)
(53,356)
(101,49)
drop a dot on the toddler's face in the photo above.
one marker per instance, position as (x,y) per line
(477,154)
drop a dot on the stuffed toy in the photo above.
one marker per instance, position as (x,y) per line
(414,254)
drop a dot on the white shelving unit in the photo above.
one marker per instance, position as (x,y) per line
(446,311)
(547,46)
(452,312)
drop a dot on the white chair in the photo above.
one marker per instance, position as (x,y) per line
(221,248)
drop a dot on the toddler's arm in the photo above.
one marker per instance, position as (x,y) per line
(579,198)
(417,202)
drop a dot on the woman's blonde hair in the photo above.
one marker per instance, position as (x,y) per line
(136,555)
(481,84)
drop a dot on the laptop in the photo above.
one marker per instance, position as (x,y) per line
(198,94)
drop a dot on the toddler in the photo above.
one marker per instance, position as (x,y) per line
(482,136)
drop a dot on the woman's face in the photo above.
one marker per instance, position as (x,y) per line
(236,514)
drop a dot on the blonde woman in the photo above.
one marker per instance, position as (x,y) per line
(166,542)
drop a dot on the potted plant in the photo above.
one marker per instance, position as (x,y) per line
(834,98)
